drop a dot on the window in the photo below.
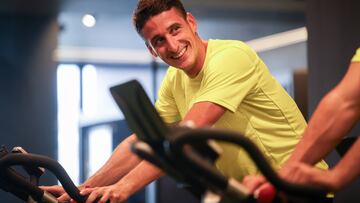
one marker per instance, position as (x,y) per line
(68,94)
(88,118)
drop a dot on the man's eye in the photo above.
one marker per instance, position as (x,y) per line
(174,29)
(158,41)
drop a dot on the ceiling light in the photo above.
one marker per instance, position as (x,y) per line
(89,20)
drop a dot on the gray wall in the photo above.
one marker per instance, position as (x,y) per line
(28,82)
(114,29)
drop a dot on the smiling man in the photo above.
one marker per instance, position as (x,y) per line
(218,83)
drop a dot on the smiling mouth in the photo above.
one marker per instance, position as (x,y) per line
(179,54)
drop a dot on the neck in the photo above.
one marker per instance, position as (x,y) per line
(201,58)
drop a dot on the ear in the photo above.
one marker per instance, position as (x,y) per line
(192,21)
(151,50)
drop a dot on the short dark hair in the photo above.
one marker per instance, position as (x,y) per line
(145,9)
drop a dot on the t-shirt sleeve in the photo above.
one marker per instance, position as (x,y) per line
(356,57)
(165,104)
(229,77)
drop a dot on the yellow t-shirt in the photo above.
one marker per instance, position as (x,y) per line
(356,57)
(234,77)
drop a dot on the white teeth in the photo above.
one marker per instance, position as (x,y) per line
(180,53)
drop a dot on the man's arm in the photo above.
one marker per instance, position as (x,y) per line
(348,167)
(337,112)
(136,179)
(119,164)
(342,174)
(201,114)
(204,114)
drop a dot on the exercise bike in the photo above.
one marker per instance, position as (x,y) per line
(188,155)
(26,188)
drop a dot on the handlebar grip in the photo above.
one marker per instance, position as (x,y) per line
(266,194)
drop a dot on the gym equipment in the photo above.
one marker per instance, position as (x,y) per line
(345,144)
(188,155)
(13,181)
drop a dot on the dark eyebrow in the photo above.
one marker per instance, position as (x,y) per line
(174,25)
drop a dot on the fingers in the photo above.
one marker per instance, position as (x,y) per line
(262,190)
(102,195)
(55,190)
(253,182)
(63,198)
(90,192)
(58,192)
(105,198)
(95,194)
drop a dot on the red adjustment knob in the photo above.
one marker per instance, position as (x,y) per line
(266,193)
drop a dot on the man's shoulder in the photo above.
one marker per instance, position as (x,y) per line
(222,44)
(356,57)
(217,46)
(234,49)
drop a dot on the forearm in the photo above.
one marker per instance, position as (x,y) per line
(118,165)
(139,177)
(348,168)
(330,122)
(336,114)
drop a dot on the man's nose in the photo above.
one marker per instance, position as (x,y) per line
(172,44)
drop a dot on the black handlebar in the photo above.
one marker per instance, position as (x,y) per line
(40,161)
(181,138)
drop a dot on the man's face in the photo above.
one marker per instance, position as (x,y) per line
(173,38)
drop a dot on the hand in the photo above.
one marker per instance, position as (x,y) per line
(302,173)
(254,182)
(263,191)
(112,194)
(58,192)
